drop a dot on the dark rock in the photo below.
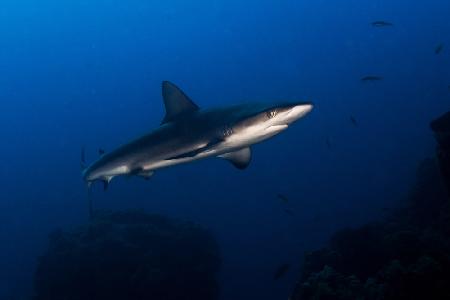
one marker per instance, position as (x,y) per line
(407,256)
(441,129)
(129,255)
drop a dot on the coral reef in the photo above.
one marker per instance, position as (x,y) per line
(129,255)
(407,256)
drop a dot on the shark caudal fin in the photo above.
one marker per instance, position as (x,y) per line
(176,102)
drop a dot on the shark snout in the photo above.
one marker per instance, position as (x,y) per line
(301,109)
(292,113)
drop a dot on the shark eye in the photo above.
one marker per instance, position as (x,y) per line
(227,131)
(271,113)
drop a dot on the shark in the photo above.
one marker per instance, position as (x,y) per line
(188,133)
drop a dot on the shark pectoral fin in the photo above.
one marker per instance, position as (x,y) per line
(176,102)
(240,158)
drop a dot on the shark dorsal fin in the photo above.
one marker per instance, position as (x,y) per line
(176,102)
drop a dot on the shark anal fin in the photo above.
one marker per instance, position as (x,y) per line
(176,102)
(240,158)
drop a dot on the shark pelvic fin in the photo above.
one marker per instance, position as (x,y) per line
(176,102)
(146,175)
(240,158)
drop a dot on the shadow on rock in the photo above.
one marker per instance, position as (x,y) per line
(129,255)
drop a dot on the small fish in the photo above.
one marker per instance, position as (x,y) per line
(439,48)
(372,78)
(281,271)
(283,198)
(353,120)
(289,212)
(381,24)
(101,151)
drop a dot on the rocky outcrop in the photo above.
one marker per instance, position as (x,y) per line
(407,256)
(129,255)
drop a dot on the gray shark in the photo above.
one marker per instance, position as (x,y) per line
(188,133)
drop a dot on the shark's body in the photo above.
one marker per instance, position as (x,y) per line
(188,134)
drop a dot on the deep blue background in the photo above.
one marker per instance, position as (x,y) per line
(76,73)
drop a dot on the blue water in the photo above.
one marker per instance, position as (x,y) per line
(89,73)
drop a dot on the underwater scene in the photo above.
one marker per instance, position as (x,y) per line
(225,150)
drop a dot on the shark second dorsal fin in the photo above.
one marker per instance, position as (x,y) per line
(240,158)
(176,102)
